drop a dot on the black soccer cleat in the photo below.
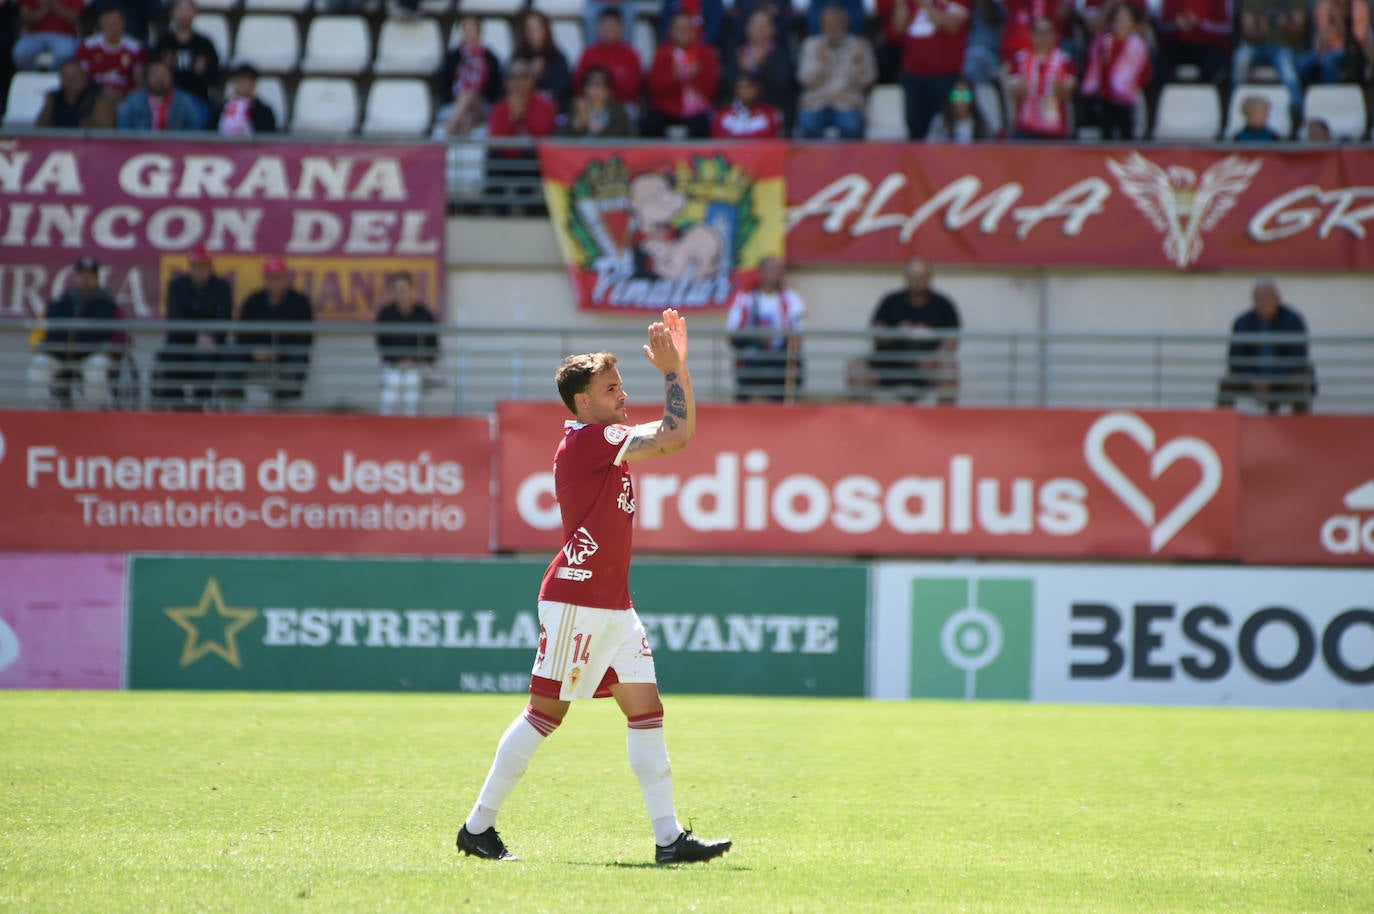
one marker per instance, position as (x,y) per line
(688,848)
(488,845)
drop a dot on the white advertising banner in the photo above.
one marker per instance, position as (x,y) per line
(1124,634)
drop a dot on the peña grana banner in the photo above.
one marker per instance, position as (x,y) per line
(343,217)
(472,626)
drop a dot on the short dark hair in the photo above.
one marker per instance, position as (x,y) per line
(575,375)
(610,12)
(401,276)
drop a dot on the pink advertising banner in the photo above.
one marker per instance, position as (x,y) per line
(61,621)
(342,216)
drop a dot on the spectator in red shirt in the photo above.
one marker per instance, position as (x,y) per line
(612,53)
(1196,32)
(112,58)
(49,25)
(747,117)
(932,56)
(1040,80)
(524,114)
(1118,68)
(683,81)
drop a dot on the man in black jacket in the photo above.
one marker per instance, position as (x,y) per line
(190,357)
(68,354)
(243,113)
(1274,373)
(407,344)
(277,359)
(191,55)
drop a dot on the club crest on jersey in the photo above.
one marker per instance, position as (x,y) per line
(625,501)
(580,548)
(615,434)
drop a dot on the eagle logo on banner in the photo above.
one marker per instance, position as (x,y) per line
(1178,203)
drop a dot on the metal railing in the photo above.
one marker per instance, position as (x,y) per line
(478,367)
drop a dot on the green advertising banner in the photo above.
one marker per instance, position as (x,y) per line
(472,626)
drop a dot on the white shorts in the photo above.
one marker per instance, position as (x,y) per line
(585,651)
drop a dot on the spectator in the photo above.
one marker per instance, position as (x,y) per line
(243,113)
(683,79)
(836,70)
(78,102)
(1342,42)
(550,68)
(1271,34)
(405,355)
(1317,130)
(740,13)
(138,15)
(932,56)
(766,59)
(983,60)
(113,59)
(767,367)
(1274,373)
(67,355)
(706,16)
(1255,110)
(9,32)
(525,114)
(1021,16)
(192,56)
(49,26)
(469,80)
(591,16)
(159,106)
(615,56)
(962,120)
(277,359)
(1196,32)
(923,357)
(1040,81)
(747,116)
(1118,68)
(597,112)
(856,17)
(190,358)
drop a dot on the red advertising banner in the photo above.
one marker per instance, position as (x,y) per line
(343,217)
(896,481)
(1307,486)
(655,227)
(1153,208)
(268,484)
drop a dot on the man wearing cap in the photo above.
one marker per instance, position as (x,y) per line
(66,354)
(279,360)
(243,113)
(189,357)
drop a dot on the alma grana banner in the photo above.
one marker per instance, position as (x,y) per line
(343,217)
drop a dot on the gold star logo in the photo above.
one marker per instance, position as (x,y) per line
(231,619)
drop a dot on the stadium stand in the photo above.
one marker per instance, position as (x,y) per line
(991,100)
(1341,106)
(215,26)
(277,6)
(337,45)
(1280,116)
(886,118)
(325,106)
(645,41)
(272,43)
(1188,112)
(398,107)
(570,36)
(272,91)
(408,47)
(27,94)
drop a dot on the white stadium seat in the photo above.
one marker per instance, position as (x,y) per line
(325,106)
(436,7)
(215,26)
(270,43)
(277,6)
(224,5)
(1280,118)
(492,7)
(497,34)
(645,41)
(398,107)
(886,114)
(337,44)
(1341,106)
(273,94)
(570,37)
(28,92)
(988,97)
(409,46)
(556,8)
(1188,112)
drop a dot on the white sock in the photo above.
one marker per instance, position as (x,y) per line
(649,760)
(518,744)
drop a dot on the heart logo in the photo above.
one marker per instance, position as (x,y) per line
(1161,458)
(9,645)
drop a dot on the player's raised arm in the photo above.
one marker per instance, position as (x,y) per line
(667,350)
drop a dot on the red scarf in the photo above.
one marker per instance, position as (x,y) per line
(160,108)
(1041,111)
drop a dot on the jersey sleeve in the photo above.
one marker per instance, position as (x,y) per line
(601,445)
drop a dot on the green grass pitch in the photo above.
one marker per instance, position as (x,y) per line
(183,802)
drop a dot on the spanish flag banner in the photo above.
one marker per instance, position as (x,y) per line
(654,227)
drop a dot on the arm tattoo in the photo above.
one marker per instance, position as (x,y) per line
(677,401)
(670,377)
(669,422)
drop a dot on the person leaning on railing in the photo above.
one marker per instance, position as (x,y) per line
(1274,373)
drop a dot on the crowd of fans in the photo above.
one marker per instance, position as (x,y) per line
(750,68)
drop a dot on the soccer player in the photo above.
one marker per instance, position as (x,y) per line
(591,642)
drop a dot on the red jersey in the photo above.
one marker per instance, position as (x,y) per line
(621,60)
(932,51)
(737,121)
(111,67)
(51,23)
(596,500)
